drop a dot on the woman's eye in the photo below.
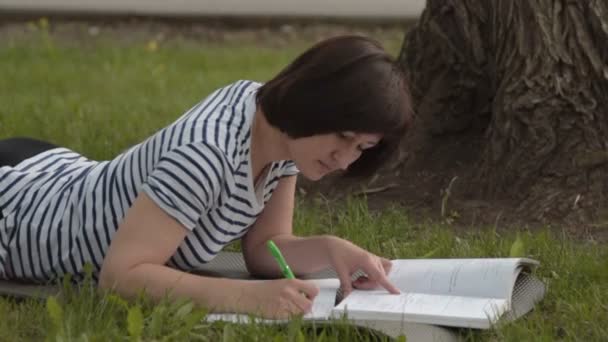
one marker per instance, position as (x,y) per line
(364,147)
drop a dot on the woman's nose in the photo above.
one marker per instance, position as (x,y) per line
(343,158)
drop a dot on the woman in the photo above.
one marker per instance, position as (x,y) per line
(225,170)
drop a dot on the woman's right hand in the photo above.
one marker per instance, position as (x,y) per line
(279,299)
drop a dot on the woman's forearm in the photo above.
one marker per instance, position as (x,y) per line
(217,294)
(304,255)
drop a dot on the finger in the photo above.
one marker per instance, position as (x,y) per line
(301,303)
(292,303)
(345,281)
(364,283)
(284,308)
(307,288)
(387,265)
(377,274)
(388,285)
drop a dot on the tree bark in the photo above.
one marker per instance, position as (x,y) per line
(528,81)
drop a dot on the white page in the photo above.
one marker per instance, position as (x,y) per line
(321,306)
(485,278)
(422,308)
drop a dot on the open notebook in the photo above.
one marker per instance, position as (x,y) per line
(468,293)
(437,294)
(323,313)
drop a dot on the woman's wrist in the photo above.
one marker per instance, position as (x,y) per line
(331,244)
(240,296)
(228,295)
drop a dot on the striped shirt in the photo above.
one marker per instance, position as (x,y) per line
(60,210)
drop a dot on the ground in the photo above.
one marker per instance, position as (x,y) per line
(435,189)
(434,179)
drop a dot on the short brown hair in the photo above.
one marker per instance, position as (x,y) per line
(344,83)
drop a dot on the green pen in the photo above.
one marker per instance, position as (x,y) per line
(276,253)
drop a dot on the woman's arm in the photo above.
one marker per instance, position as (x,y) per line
(148,237)
(308,255)
(304,255)
(139,250)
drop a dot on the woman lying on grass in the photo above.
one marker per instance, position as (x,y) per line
(225,170)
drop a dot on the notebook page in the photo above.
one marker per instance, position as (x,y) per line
(422,308)
(485,278)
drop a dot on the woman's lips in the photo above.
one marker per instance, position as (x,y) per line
(325,167)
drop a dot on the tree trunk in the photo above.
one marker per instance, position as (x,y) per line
(525,82)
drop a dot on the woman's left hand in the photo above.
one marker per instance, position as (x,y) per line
(346,258)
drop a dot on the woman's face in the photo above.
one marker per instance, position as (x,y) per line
(319,155)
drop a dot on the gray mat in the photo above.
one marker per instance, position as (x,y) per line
(225,264)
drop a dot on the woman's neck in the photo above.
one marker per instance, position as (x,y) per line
(267,143)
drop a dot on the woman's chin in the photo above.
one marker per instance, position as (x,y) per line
(312,176)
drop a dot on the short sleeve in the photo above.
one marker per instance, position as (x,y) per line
(290,169)
(186,182)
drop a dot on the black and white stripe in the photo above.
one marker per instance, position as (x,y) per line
(61,210)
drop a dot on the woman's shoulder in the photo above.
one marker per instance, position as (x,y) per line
(224,105)
(219,124)
(244,85)
(223,120)
(234,92)
(205,155)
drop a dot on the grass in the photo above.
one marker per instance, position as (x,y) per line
(104,94)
